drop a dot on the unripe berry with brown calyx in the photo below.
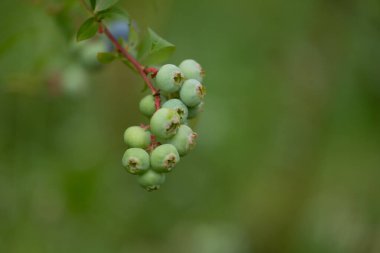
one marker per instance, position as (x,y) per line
(164,158)
(165,123)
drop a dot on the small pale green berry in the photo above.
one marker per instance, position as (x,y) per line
(179,107)
(147,105)
(164,158)
(169,78)
(74,80)
(192,70)
(184,141)
(136,161)
(194,111)
(137,137)
(192,93)
(165,123)
(151,180)
(88,54)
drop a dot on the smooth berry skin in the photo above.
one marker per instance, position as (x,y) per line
(169,78)
(147,105)
(184,141)
(192,93)
(192,70)
(179,107)
(137,137)
(136,161)
(120,30)
(89,51)
(164,158)
(74,80)
(165,123)
(151,180)
(195,111)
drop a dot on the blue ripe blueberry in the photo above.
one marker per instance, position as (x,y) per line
(151,180)
(169,78)
(192,70)
(179,107)
(120,30)
(147,105)
(164,158)
(165,123)
(137,137)
(194,111)
(136,161)
(184,141)
(192,92)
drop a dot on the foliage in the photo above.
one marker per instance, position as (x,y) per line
(151,50)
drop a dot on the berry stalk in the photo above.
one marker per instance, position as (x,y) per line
(151,70)
(140,69)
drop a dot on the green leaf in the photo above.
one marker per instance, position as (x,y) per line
(145,88)
(120,12)
(154,49)
(106,57)
(93,4)
(88,29)
(104,4)
(133,37)
(113,12)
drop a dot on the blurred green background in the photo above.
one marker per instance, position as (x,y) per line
(288,158)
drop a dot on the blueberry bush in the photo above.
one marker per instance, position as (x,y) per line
(176,97)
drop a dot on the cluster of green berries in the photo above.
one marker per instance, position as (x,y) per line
(156,149)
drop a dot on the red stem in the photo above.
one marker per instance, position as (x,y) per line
(135,63)
(152,71)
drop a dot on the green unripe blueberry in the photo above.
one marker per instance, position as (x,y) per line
(164,158)
(179,107)
(88,54)
(147,105)
(151,180)
(192,92)
(74,80)
(137,137)
(184,141)
(165,123)
(136,161)
(194,111)
(169,78)
(192,70)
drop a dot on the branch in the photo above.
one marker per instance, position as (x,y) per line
(140,69)
(87,7)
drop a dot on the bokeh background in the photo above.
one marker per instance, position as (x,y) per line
(288,158)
